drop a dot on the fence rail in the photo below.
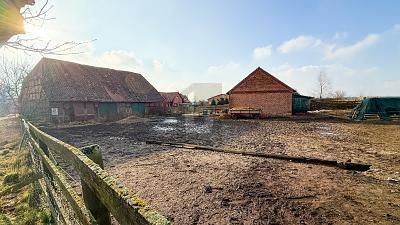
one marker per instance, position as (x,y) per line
(102,194)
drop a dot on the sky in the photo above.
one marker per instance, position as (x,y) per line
(175,43)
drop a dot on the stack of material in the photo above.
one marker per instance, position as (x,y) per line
(384,108)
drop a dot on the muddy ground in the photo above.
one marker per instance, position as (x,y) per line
(199,187)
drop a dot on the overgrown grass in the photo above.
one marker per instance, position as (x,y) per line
(27,206)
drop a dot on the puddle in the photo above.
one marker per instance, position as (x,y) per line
(184,126)
(170,120)
(161,128)
(194,128)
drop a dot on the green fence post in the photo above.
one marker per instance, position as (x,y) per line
(98,210)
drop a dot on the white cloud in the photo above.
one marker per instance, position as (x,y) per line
(328,48)
(224,68)
(262,52)
(114,59)
(396,27)
(391,84)
(158,73)
(228,74)
(158,66)
(299,43)
(351,50)
(304,78)
(391,87)
(340,35)
(121,60)
(373,69)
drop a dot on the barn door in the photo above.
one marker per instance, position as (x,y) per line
(108,109)
(138,108)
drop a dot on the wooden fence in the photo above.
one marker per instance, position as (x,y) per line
(101,196)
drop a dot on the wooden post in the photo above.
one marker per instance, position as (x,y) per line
(98,210)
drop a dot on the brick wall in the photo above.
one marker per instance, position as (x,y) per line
(261,90)
(271,104)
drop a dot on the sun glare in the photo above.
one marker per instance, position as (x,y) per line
(34,30)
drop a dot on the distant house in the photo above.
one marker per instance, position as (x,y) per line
(173,99)
(262,91)
(63,91)
(217,98)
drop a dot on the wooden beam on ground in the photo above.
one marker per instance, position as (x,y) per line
(334,163)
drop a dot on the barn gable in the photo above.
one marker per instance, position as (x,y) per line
(262,91)
(260,81)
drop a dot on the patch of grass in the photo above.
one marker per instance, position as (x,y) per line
(33,216)
(28,206)
(11,178)
(4,220)
(4,152)
(34,196)
(11,145)
(29,217)
(45,217)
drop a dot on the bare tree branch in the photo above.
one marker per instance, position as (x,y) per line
(12,74)
(27,43)
(324,84)
(46,47)
(339,94)
(39,15)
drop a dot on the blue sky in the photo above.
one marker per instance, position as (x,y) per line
(175,43)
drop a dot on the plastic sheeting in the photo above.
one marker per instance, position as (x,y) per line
(384,107)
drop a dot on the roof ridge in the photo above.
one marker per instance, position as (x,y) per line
(264,72)
(84,65)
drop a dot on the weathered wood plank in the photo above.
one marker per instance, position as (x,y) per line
(92,202)
(54,209)
(73,198)
(126,208)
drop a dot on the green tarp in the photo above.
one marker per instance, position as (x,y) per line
(383,107)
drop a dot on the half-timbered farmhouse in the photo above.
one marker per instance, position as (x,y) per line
(63,91)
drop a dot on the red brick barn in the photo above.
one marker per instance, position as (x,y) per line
(173,100)
(261,90)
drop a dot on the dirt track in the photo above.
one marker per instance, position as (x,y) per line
(198,187)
